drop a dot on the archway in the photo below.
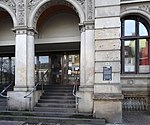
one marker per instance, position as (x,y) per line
(58,42)
(7,48)
(42,6)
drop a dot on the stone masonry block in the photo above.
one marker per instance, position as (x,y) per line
(115,66)
(107,11)
(107,56)
(115,78)
(113,33)
(107,88)
(99,3)
(107,44)
(107,22)
(110,110)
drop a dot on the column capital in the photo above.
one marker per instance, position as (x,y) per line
(87,25)
(24,30)
(81,27)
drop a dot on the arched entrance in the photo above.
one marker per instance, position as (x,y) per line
(58,45)
(7,49)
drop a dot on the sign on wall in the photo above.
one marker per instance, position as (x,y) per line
(107,73)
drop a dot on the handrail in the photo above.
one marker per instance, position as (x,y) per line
(74,94)
(1,94)
(74,91)
(38,83)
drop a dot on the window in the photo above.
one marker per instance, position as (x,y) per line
(135,45)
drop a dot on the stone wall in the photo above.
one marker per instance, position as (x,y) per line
(107,93)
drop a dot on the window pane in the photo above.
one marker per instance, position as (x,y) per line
(129,27)
(143,56)
(142,30)
(129,54)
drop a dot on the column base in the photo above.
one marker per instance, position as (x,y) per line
(85,102)
(109,107)
(16,100)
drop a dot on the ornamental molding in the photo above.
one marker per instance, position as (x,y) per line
(24,30)
(90,9)
(81,1)
(33,3)
(143,7)
(50,4)
(21,12)
(10,3)
(87,25)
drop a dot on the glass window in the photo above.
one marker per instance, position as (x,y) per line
(129,27)
(129,54)
(143,56)
(142,30)
(135,45)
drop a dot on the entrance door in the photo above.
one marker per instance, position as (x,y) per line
(59,68)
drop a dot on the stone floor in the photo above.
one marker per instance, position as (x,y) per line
(129,118)
(135,118)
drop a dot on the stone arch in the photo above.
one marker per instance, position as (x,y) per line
(34,16)
(138,12)
(11,13)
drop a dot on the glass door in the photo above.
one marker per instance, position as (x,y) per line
(42,69)
(62,68)
(70,69)
(7,70)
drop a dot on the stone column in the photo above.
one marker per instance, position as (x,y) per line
(31,60)
(107,92)
(24,61)
(87,68)
(24,72)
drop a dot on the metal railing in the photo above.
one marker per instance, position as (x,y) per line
(34,88)
(5,89)
(75,87)
(38,83)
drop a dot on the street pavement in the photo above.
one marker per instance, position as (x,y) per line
(135,118)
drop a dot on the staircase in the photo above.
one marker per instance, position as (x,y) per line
(58,99)
(3,104)
(3,101)
(55,107)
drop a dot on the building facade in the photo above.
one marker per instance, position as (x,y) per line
(104,45)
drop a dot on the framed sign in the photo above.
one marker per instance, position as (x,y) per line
(107,73)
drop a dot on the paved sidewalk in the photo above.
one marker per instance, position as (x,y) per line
(136,118)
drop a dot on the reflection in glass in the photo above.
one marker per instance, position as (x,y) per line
(143,56)
(129,27)
(142,30)
(43,66)
(7,70)
(129,54)
(74,69)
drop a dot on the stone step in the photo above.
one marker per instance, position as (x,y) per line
(57,94)
(3,108)
(58,91)
(47,114)
(54,109)
(45,120)
(55,87)
(3,103)
(57,97)
(56,101)
(63,105)
(3,122)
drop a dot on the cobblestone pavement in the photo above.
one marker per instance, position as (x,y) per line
(136,118)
